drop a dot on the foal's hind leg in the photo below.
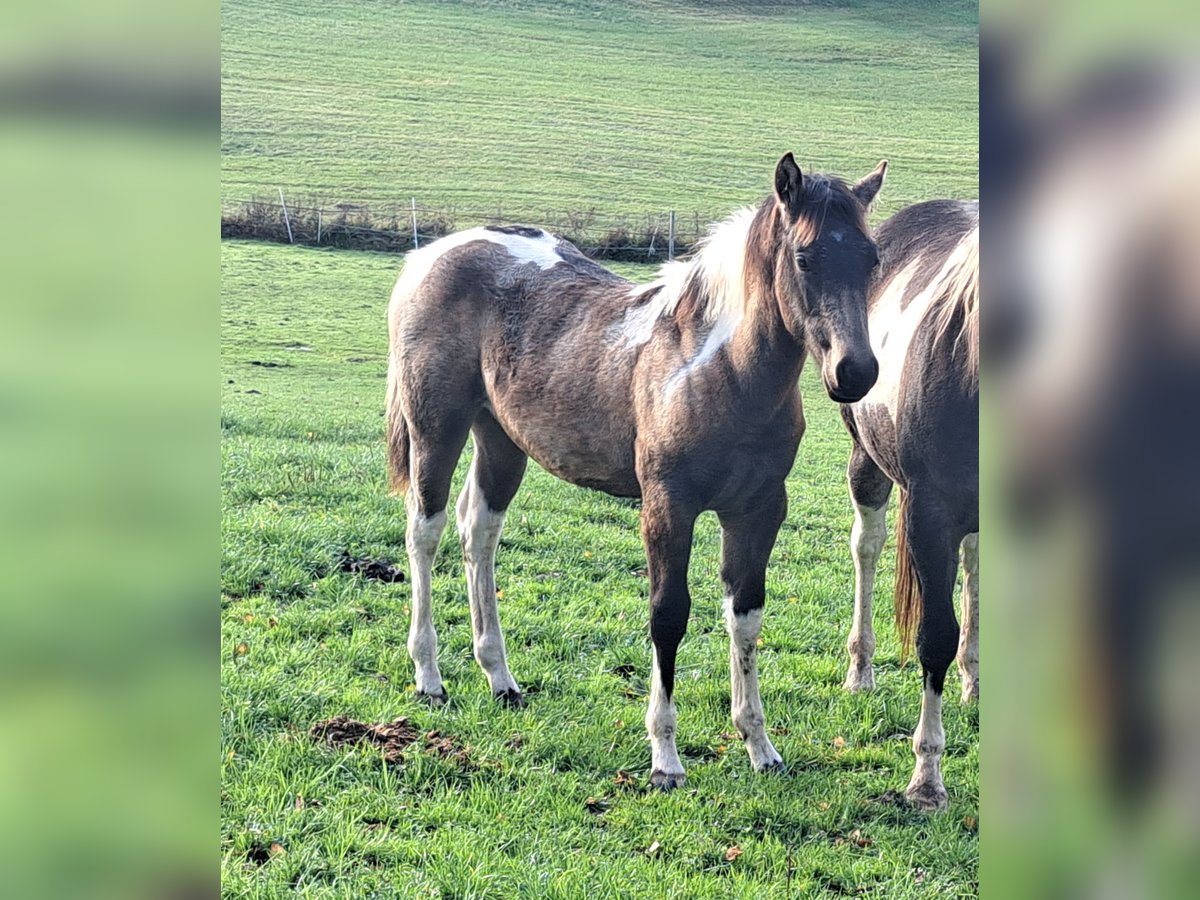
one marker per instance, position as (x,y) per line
(433,454)
(968,641)
(869,491)
(933,550)
(746,543)
(496,473)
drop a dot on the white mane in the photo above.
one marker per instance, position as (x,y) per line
(719,265)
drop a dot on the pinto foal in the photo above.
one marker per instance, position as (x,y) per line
(682,392)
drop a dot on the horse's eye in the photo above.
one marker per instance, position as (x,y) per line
(802,262)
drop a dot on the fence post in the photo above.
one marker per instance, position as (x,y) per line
(416,237)
(671,238)
(286,220)
(318,227)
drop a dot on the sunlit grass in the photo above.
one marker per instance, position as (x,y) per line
(304,481)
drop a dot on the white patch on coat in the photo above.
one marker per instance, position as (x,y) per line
(479,529)
(745,701)
(423,535)
(718,337)
(542,251)
(720,266)
(867,538)
(660,725)
(929,743)
(838,236)
(968,636)
(892,328)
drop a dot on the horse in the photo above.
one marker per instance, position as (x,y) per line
(918,427)
(682,392)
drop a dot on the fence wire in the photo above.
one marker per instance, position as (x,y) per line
(398,227)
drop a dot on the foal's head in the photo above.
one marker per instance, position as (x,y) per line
(823,265)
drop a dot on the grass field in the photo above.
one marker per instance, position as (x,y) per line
(630,107)
(623,108)
(535,809)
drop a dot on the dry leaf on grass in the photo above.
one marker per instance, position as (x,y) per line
(733,853)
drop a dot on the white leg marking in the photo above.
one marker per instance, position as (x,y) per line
(746,703)
(866,543)
(479,530)
(422,540)
(968,639)
(929,743)
(666,770)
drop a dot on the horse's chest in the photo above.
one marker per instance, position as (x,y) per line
(725,463)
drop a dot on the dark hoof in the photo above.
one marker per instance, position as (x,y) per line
(667,781)
(510,698)
(434,700)
(927,797)
(775,767)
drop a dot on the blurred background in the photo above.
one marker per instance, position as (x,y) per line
(1089,150)
(109,116)
(1090,154)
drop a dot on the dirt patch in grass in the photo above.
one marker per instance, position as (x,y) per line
(393,738)
(375,569)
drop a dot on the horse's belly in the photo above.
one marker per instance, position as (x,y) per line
(589,451)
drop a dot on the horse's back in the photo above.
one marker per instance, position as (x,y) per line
(517,321)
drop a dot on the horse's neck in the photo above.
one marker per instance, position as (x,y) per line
(765,357)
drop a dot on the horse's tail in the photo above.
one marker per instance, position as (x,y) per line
(397,434)
(909,604)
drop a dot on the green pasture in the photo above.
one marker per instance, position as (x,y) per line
(539,805)
(581,105)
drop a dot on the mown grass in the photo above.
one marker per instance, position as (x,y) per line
(535,809)
(575,105)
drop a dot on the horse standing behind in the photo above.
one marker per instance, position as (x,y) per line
(919,428)
(682,392)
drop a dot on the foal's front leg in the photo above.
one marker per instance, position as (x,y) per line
(667,534)
(746,543)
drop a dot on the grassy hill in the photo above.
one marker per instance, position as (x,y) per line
(620,107)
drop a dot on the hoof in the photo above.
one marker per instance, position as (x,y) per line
(667,781)
(433,699)
(927,797)
(511,698)
(771,767)
(860,680)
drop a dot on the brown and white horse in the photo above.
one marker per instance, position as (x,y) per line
(919,428)
(682,392)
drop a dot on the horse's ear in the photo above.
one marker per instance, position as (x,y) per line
(866,189)
(789,185)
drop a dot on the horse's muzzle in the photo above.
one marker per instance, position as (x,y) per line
(853,378)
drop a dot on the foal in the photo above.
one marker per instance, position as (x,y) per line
(682,392)
(919,428)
